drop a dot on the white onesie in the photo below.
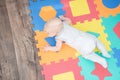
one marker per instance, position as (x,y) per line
(84,43)
(81,41)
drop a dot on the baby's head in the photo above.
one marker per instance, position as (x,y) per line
(53,27)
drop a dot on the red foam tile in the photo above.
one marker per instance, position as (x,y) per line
(81,18)
(101,72)
(116,29)
(64,66)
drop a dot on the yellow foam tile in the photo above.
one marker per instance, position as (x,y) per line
(95,26)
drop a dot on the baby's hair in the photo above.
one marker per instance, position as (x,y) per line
(52,22)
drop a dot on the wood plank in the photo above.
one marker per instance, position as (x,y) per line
(26,19)
(8,63)
(23,38)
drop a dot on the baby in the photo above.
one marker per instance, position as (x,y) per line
(83,42)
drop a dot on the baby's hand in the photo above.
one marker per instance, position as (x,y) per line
(61,17)
(46,48)
(65,19)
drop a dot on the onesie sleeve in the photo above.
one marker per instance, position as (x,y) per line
(63,35)
(60,36)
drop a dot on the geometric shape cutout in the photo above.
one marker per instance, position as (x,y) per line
(117,55)
(64,76)
(101,72)
(51,41)
(117,29)
(111,3)
(47,12)
(77,7)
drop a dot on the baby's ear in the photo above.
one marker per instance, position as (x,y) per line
(45,26)
(44,30)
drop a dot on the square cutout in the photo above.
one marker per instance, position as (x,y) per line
(64,76)
(79,7)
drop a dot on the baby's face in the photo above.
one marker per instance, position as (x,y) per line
(51,33)
(53,28)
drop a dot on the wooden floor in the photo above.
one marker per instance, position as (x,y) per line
(18,55)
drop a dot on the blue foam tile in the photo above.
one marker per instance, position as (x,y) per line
(117,55)
(111,3)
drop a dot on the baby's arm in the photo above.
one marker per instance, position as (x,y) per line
(65,19)
(55,48)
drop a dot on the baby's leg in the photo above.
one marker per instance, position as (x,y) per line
(95,58)
(102,48)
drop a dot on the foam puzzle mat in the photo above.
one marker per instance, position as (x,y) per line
(98,17)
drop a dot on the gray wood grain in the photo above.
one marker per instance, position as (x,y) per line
(18,55)
(8,62)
